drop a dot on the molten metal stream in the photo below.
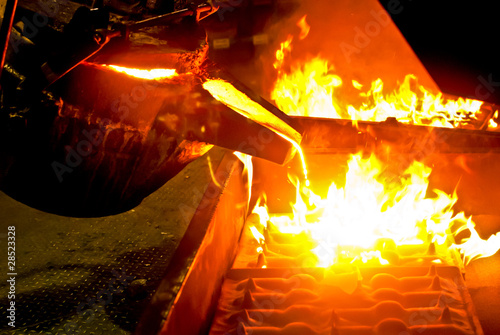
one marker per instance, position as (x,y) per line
(227,94)
(150,74)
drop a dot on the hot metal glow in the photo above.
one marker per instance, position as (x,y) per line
(150,74)
(227,94)
(248,169)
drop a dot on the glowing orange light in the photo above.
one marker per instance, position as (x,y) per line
(354,223)
(281,53)
(475,247)
(491,123)
(150,74)
(304,27)
(373,218)
(258,236)
(248,168)
(227,94)
(309,89)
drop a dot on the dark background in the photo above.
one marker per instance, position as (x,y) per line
(458,43)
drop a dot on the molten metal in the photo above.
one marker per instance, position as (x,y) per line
(149,74)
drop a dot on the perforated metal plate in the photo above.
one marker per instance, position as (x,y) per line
(96,275)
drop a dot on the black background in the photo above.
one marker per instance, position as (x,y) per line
(456,41)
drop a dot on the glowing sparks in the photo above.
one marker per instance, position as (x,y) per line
(212,173)
(150,74)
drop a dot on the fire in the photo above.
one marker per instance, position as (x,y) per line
(313,89)
(258,236)
(491,123)
(285,48)
(375,217)
(413,104)
(308,90)
(475,247)
(304,27)
(149,74)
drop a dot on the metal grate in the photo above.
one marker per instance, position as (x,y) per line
(278,295)
(97,275)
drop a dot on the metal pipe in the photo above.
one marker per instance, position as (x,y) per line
(8,20)
(167,18)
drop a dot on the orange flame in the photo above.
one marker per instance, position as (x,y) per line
(373,215)
(281,53)
(310,89)
(304,27)
(360,220)
(355,217)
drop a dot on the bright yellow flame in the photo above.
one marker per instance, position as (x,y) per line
(258,236)
(376,217)
(151,74)
(311,89)
(413,104)
(355,221)
(356,84)
(308,90)
(475,247)
(491,122)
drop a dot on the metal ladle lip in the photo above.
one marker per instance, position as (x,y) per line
(194,10)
